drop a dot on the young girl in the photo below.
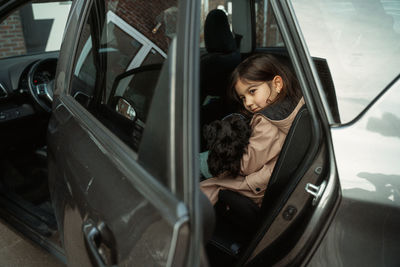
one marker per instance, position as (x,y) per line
(269,92)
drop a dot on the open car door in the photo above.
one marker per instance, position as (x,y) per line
(119,136)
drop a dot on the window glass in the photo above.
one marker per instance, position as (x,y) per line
(360,41)
(267,31)
(118,62)
(34,28)
(140,89)
(84,75)
(153,57)
(120,49)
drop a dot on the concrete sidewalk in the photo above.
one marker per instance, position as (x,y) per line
(18,251)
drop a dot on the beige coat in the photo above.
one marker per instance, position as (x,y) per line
(257,163)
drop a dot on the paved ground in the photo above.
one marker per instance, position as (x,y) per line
(17,251)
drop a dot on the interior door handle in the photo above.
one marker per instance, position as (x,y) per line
(95,242)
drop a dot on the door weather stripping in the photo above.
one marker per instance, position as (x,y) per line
(316,191)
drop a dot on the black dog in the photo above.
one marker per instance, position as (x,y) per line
(227,140)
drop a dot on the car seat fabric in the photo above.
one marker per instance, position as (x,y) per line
(293,151)
(218,37)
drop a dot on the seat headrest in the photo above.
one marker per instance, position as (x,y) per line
(218,37)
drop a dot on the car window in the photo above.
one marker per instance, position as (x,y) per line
(266,29)
(360,40)
(207,6)
(34,28)
(118,62)
(267,32)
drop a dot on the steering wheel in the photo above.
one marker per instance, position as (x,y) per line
(41,82)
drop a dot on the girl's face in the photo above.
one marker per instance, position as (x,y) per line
(256,95)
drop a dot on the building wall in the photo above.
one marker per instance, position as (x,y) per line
(12,42)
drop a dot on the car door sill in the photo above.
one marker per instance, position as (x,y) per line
(31,222)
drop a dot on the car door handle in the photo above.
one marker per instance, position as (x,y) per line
(95,241)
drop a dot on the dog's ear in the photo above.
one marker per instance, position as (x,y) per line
(210,132)
(215,163)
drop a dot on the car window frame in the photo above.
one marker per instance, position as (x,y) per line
(314,97)
(94,5)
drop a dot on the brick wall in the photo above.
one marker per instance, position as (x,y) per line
(12,42)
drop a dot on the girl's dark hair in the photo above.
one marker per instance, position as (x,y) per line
(264,67)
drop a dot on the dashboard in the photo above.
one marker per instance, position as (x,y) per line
(16,100)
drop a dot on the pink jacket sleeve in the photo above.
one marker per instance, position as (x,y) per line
(265,145)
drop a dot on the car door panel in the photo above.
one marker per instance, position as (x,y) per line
(107,187)
(112,205)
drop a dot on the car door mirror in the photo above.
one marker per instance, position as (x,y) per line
(124,108)
(132,91)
